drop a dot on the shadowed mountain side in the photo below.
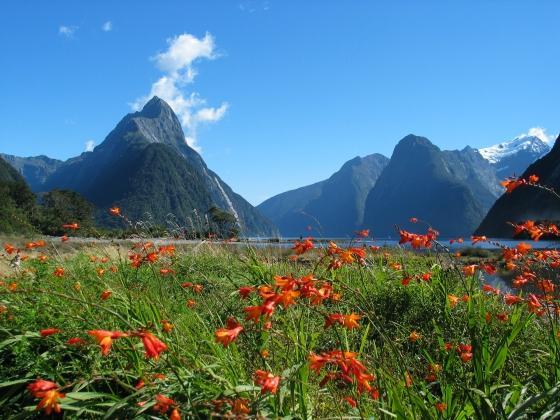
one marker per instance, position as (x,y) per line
(525,202)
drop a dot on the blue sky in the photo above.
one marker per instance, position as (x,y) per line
(287,90)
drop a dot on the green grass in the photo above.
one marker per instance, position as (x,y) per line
(514,371)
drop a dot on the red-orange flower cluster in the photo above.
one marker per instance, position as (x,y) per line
(345,368)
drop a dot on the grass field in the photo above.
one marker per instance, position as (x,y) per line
(194,331)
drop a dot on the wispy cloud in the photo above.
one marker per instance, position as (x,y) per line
(176,63)
(67,31)
(89,146)
(107,26)
(252,6)
(540,133)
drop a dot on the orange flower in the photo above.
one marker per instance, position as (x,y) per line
(106,294)
(42,258)
(49,403)
(197,288)
(303,246)
(36,244)
(511,299)
(288,297)
(267,381)
(115,211)
(72,226)
(167,249)
(426,277)
(414,336)
(163,403)
(245,291)
(502,316)
(167,326)
(406,280)
(10,249)
(469,270)
(466,357)
(59,272)
(175,414)
(453,300)
(76,341)
(511,184)
(477,239)
(351,401)
(240,406)
(49,331)
(48,391)
(533,179)
(153,345)
(152,257)
(348,321)
(490,289)
(105,339)
(166,271)
(225,336)
(362,233)
(441,407)
(40,387)
(64,238)
(191,303)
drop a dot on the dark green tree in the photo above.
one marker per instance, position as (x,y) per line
(62,206)
(223,224)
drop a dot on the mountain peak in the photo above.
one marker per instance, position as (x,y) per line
(412,140)
(530,144)
(155,107)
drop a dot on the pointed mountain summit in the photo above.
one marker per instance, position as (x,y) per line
(146,167)
(527,203)
(334,207)
(450,189)
(511,158)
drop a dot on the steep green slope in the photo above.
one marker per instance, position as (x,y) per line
(17,203)
(145,166)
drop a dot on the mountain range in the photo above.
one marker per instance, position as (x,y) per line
(145,167)
(451,189)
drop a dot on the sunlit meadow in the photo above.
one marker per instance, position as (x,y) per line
(215,329)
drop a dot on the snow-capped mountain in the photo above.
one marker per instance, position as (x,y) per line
(511,158)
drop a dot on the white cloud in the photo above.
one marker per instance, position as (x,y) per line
(177,65)
(107,26)
(540,133)
(67,31)
(89,146)
(182,51)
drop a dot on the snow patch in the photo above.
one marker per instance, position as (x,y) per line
(527,144)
